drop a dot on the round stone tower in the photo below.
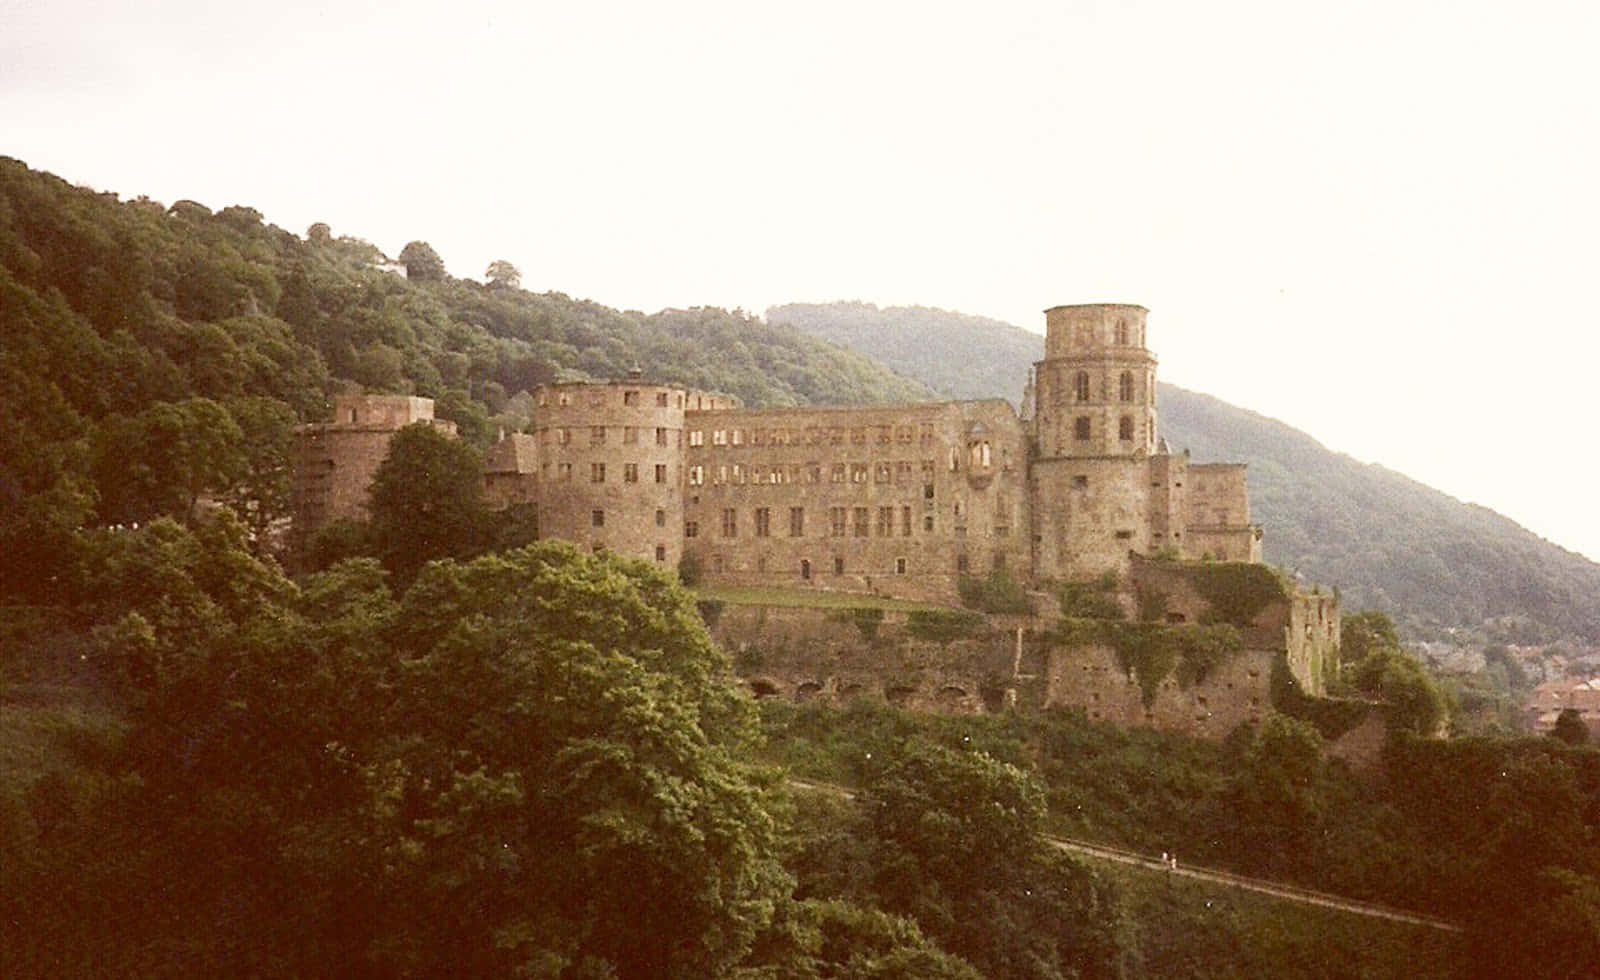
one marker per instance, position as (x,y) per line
(1096,387)
(610,466)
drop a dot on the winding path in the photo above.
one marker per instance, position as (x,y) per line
(1292,893)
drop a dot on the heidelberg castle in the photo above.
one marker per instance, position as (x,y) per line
(899,500)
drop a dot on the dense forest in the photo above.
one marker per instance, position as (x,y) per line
(1385,541)
(446,748)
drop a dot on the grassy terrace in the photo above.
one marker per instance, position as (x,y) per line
(808,599)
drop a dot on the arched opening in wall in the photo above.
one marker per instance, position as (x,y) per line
(1122,333)
(805,569)
(898,695)
(1125,386)
(849,692)
(1080,427)
(807,691)
(763,688)
(1125,428)
(951,697)
(1080,386)
(993,695)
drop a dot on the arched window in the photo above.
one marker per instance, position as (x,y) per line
(1122,333)
(1080,386)
(1125,386)
(1125,428)
(1080,427)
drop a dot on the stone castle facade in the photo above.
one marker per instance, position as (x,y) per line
(898,500)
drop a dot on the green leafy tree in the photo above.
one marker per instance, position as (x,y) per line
(1570,728)
(161,461)
(426,501)
(503,275)
(422,262)
(956,846)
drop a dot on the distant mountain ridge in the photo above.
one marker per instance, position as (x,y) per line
(1384,540)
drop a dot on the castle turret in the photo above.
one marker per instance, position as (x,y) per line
(1096,387)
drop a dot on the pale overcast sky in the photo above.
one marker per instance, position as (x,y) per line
(1376,221)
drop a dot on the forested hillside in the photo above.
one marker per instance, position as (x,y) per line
(1386,541)
(154,355)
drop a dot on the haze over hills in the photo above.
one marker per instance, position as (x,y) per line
(1384,540)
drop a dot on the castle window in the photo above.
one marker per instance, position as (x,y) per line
(630,398)
(1124,535)
(837,474)
(836,436)
(730,522)
(813,472)
(961,564)
(899,566)
(1080,427)
(763,522)
(805,569)
(661,517)
(738,473)
(352,416)
(661,436)
(885,434)
(903,433)
(661,552)
(860,522)
(927,522)
(838,565)
(885,521)
(697,437)
(565,398)
(719,437)
(1125,428)
(1122,333)
(1080,482)
(630,472)
(691,529)
(564,471)
(597,472)
(883,472)
(905,522)
(630,436)
(563,436)
(737,436)
(758,437)
(661,399)
(597,435)
(1080,386)
(597,518)
(722,475)
(797,522)
(927,491)
(836,519)
(661,472)
(858,435)
(902,472)
(697,475)
(1125,386)
(858,472)
(925,434)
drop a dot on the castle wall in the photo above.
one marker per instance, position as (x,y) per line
(511,472)
(1217,514)
(1311,640)
(897,499)
(1089,514)
(610,465)
(826,656)
(1091,678)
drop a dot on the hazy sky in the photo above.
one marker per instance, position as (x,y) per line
(1376,221)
